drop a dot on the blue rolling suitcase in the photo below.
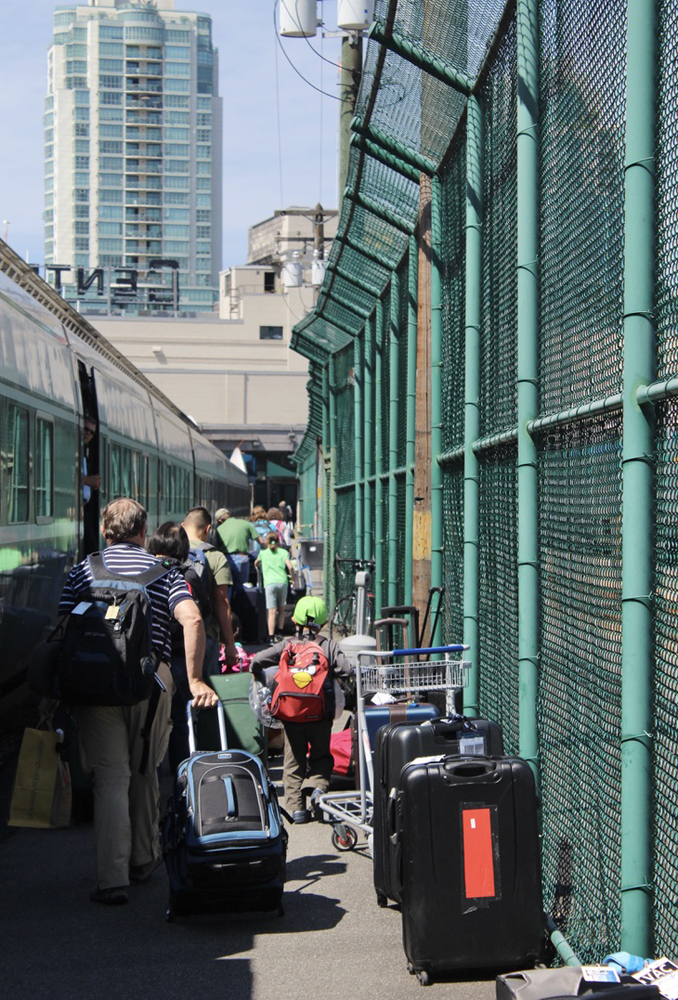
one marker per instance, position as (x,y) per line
(396,745)
(471,872)
(224,842)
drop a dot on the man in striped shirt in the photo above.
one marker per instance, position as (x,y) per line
(126,801)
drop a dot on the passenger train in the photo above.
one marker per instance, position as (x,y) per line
(55,369)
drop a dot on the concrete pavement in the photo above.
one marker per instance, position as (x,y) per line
(332,941)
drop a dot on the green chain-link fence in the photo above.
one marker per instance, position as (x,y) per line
(519,114)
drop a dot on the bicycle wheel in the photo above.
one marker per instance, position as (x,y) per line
(342,622)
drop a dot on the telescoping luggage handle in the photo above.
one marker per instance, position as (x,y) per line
(191,714)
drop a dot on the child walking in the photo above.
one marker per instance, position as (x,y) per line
(277,571)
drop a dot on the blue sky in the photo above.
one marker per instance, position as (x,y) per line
(246,38)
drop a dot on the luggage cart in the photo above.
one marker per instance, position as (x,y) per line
(385,674)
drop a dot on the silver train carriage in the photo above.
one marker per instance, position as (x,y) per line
(52,374)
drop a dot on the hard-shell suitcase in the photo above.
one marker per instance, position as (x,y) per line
(224,842)
(377,716)
(471,873)
(568,981)
(395,746)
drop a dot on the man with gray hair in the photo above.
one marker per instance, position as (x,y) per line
(116,740)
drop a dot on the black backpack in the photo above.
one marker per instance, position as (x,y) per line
(106,655)
(200,581)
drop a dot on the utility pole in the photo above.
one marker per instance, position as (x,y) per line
(351,68)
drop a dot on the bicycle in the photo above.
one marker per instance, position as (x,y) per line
(343,620)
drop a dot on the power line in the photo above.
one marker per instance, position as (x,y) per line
(334,97)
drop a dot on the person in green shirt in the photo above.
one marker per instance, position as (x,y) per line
(276,570)
(233,537)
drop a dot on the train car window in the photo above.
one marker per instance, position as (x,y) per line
(15,463)
(162,491)
(115,471)
(136,476)
(145,472)
(126,485)
(44,469)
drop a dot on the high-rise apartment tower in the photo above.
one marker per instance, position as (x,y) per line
(133,140)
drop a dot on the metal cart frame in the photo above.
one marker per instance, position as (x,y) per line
(389,673)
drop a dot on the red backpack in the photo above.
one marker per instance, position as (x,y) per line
(300,689)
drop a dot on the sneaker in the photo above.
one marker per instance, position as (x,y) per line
(141,873)
(301,816)
(114,896)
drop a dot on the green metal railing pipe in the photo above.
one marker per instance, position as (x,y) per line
(378,464)
(393,403)
(421,57)
(637,818)
(332,532)
(411,421)
(368,441)
(473,292)
(528,373)
(360,313)
(381,211)
(404,152)
(358,431)
(338,325)
(328,569)
(436,396)
(353,279)
(388,159)
(376,258)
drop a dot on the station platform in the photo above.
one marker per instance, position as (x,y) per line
(332,941)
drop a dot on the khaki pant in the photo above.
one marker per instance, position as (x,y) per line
(126,803)
(301,772)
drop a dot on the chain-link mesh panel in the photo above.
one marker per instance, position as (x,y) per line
(579,710)
(499,314)
(453,555)
(582,200)
(454,296)
(345,522)
(666,683)
(667,193)
(345,411)
(498,598)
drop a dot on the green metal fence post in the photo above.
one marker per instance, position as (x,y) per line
(474,264)
(637,482)
(378,465)
(436,396)
(332,528)
(528,371)
(358,430)
(368,453)
(393,402)
(413,268)
(325,499)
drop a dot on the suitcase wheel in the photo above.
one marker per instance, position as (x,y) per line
(381,899)
(344,838)
(423,978)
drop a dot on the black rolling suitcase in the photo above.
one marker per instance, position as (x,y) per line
(471,873)
(224,842)
(249,604)
(395,746)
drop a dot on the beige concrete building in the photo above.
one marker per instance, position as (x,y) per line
(233,372)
